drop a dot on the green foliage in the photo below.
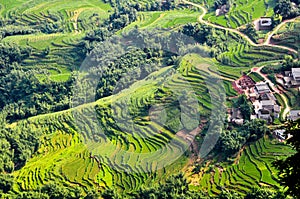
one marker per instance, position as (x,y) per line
(289,167)
(262,193)
(250,31)
(286,9)
(226,194)
(231,141)
(244,105)
(175,186)
(6,183)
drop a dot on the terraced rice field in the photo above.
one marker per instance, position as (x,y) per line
(253,169)
(243,55)
(288,35)
(166,19)
(241,12)
(75,19)
(131,147)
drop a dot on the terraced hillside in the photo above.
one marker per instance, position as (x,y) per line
(169,19)
(55,50)
(141,135)
(252,169)
(132,146)
(241,12)
(287,35)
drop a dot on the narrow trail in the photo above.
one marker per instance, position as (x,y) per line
(267,42)
(269,35)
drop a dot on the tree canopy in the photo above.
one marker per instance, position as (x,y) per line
(289,168)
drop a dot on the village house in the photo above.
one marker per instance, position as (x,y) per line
(222,10)
(292,78)
(264,102)
(279,133)
(236,116)
(294,115)
(262,88)
(265,23)
(265,115)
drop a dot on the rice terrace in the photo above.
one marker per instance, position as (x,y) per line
(149,99)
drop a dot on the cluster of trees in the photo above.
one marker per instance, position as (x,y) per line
(215,39)
(11,53)
(250,31)
(287,8)
(114,62)
(123,15)
(21,93)
(219,3)
(244,105)
(287,64)
(232,140)
(289,175)
(152,5)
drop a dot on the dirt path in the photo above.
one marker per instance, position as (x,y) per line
(266,43)
(270,34)
(204,12)
(75,19)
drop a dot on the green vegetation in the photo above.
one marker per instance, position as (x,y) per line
(256,77)
(240,12)
(287,35)
(95,101)
(289,167)
(252,169)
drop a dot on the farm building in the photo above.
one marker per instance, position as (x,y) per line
(279,133)
(236,116)
(292,78)
(294,115)
(222,10)
(262,88)
(264,102)
(265,23)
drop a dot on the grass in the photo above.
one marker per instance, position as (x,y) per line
(256,77)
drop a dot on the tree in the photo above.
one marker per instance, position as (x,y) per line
(231,141)
(244,105)
(6,182)
(226,194)
(110,193)
(250,31)
(263,193)
(286,9)
(289,169)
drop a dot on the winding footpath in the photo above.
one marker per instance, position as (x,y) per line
(266,43)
